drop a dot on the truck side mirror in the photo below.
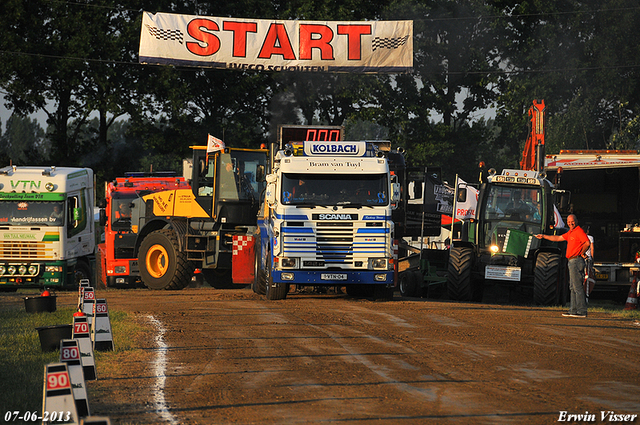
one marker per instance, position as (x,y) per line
(260,173)
(562,199)
(103,217)
(417,190)
(270,195)
(395,195)
(462,194)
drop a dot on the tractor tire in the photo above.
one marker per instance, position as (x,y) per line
(459,285)
(273,290)
(408,284)
(545,279)
(162,265)
(259,285)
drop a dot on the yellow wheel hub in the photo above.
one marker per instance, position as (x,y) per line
(157,261)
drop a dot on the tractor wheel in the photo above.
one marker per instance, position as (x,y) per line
(545,279)
(408,284)
(273,290)
(162,265)
(459,287)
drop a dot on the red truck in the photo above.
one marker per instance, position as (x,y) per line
(116,262)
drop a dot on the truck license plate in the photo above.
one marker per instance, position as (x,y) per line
(333,276)
(502,273)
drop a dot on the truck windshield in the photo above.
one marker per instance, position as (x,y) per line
(31,213)
(121,211)
(329,189)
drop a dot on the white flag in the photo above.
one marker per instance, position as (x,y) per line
(214,144)
(558,218)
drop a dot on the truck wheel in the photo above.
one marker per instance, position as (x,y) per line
(381,292)
(545,279)
(408,284)
(82,271)
(162,265)
(459,274)
(259,285)
(273,290)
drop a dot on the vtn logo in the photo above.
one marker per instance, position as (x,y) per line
(26,184)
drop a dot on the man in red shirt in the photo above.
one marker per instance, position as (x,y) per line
(577,245)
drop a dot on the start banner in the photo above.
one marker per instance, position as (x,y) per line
(274,45)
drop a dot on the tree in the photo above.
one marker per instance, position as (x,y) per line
(23,142)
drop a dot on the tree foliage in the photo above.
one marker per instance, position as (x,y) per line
(77,62)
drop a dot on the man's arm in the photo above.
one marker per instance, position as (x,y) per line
(554,238)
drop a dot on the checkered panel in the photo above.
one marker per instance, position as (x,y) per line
(162,34)
(239,242)
(388,43)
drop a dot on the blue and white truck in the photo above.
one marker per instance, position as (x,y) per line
(326,220)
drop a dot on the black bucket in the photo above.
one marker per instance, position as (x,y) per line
(50,336)
(40,304)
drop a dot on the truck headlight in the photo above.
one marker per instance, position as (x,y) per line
(53,269)
(12,269)
(33,270)
(288,262)
(3,270)
(120,269)
(22,269)
(378,263)
(494,249)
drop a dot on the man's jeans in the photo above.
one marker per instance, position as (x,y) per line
(576,277)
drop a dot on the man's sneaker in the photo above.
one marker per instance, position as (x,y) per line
(574,315)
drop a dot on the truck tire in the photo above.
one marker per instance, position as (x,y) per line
(162,265)
(459,285)
(259,285)
(81,271)
(545,278)
(408,284)
(273,290)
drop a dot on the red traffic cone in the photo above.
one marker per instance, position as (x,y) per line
(632,298)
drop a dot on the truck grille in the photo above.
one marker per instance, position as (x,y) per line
(334,242)
(26,251)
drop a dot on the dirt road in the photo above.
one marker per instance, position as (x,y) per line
(232,357)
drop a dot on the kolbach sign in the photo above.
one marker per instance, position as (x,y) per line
(268,45)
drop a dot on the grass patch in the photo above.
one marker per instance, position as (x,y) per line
(22,360)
